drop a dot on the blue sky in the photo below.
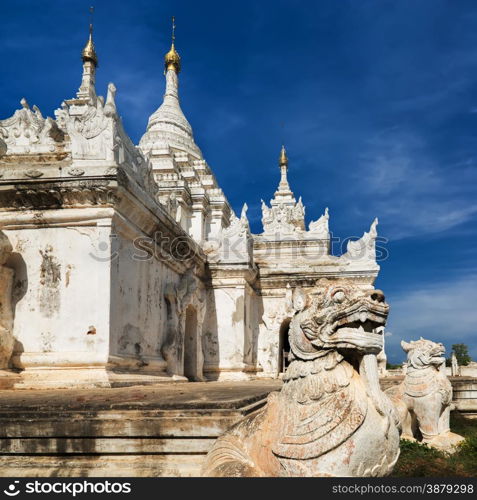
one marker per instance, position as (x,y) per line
(376,101)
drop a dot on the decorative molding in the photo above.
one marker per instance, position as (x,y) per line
(34,174)
(28,132)
(283,218)
(51,196)
(76,172)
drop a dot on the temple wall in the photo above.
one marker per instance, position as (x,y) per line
(59,294)
(138,309)
(228,332)
(60,304)
(274,313)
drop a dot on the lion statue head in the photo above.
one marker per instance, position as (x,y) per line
(339,317)
(423,353)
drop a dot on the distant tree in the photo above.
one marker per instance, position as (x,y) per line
(461,352)
(391,366)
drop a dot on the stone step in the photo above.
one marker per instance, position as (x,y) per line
(146,431)
(183,465)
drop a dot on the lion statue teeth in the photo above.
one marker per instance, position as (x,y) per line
(423,400)
(330,417)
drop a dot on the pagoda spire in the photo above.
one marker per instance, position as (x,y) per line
(90,63)
(283,163)
(167,126)
(286,215)
(172,59)
(172,63)
(283,193)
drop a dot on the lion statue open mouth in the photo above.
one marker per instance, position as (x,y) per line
(330,417)
(424,399)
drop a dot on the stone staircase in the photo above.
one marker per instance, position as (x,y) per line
(155,431)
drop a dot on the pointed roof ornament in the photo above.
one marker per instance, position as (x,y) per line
(89,53)
(167,126)
(283,157)
(172,59)
(283,186)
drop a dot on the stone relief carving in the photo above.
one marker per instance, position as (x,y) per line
(90,126)
(27,131)
(238,228)
(172,205)
(6,309)
(319,228)
(283,218)
(234,242)
(3,147)
(455,368)
(48,196)
(363,249)
(96,133)
(272,320)
(382,359)
(33,174)
(330,418)
(187,292)
(424,398)
(76,172)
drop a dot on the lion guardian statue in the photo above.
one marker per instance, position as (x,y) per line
(423,399)
(330,417)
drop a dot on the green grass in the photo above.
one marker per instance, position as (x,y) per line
(418,460)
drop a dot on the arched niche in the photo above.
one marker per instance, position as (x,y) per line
(283,345)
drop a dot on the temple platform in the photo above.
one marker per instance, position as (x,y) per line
(156,430)
(152,430)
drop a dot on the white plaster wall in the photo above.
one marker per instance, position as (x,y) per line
(274,313)
(226,343)
(138,312)
(60,292)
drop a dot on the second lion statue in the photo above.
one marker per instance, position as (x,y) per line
(424,398)
(330,417)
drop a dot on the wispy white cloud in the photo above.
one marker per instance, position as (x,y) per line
(443,311)
(411,192)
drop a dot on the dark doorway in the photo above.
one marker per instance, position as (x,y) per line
(284,346)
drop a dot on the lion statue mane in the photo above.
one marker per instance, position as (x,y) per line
(330,418)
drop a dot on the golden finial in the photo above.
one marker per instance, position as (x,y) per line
(89,54)
(283,157)
(172,58)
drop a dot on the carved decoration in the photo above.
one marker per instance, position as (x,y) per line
(28,132)
(179,297)
(330,407)
(6,309)
(424,398)
(96,133)
(363,249)
(34,174)
(283,218)
(3,147)
(455,368)
(235,241)
(238,228)
(76,172)
(319,228)
(46,195)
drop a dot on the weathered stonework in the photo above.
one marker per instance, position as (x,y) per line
(330,418)
(7,340)
(424,398)
(128,261)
